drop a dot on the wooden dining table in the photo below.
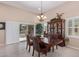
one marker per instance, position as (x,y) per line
(46,41)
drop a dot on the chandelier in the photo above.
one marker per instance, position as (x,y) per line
(41,16)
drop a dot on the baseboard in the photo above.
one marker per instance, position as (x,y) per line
(70,46)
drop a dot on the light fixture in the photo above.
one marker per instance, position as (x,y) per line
(41,16)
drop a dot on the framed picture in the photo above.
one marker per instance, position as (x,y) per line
(2,25)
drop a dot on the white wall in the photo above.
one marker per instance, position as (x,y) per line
(12,32)
(2,38)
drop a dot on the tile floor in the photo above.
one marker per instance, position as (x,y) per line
(18,50)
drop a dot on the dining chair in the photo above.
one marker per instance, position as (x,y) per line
(29,42)
(61,40)
(56,39)
(40,47)
(51,40)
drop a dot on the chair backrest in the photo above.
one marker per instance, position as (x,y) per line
(28,39)
(52,37)
(55,36)
(60,37)
(36,44)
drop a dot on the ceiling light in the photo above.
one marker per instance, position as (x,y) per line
(41,16)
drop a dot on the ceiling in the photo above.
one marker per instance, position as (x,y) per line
(34,6)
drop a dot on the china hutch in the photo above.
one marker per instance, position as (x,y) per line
(57,25)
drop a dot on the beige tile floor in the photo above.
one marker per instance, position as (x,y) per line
(18,50)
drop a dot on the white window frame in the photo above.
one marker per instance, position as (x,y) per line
(73,23)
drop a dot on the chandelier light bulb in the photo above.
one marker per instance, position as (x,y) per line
(41,16)
(45,17)
(38,17)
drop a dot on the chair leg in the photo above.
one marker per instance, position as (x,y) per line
(53,49)
(33,52)
(38,54)
(29,48)
(26,46)
(56,46)
(46,54)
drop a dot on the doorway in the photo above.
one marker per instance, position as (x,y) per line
(24,29)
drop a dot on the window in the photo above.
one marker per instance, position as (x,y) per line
(45,26)
(76,27)
(73,26)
